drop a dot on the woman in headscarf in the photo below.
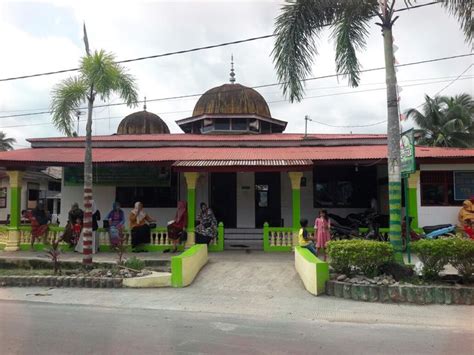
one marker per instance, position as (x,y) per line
(466,213)
(206,230)
(116,219)
(176,228)
(140,228)
(95,237)
(39,223)
(75,217)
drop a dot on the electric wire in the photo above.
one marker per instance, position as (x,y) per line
(183,51)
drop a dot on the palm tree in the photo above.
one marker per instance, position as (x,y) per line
(445,121)
(6,143)
(297,28)
(99,76)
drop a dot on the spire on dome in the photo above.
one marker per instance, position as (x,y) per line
(144,104)
(232,73)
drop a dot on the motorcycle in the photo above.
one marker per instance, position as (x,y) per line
(430,232)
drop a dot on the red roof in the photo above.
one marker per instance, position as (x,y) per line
(209,137)
(64,156)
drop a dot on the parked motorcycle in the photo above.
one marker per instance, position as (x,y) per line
(430,232)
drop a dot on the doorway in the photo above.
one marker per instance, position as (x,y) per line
(223,198)
(267,199)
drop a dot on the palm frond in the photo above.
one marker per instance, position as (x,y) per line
(67,97)
(462,10)
(350,31)
(6,143)
(296,29)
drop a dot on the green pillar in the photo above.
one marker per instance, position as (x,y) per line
(13,243)
(295,178)
(394,200)
(413,197)
(191,179)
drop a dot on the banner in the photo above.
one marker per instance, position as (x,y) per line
(407,153)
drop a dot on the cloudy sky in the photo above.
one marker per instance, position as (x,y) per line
(47,35)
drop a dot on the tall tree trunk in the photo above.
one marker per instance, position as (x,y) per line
(87,226)
(393,144)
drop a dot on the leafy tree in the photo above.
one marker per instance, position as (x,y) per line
(445,121)
(299,25)
(99,76)
(6,143)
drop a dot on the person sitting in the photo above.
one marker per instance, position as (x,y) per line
(39,223)
(74,215)
(468,229)
(206,230)
(466,212)
(140,228)
(305,240)
(176,227)
(116,222)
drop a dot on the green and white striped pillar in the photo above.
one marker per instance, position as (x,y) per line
(295,178)
(395,204)
(13,243)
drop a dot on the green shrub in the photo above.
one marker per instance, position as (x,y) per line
(461,256)
(135,263)
(365,256)
(434,254)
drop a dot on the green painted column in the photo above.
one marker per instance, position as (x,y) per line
(191,180)
(394,200)
(295,178)
(413,197)
(13,243)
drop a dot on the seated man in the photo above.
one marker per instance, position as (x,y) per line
(176,227)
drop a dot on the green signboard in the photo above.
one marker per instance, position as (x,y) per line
(120,176)
(407,153)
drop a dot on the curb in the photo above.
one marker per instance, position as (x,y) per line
(61,281)
(401,293)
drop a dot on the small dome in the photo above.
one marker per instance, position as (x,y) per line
(142,122)
(231,99)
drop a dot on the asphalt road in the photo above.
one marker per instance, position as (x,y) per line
(42,328)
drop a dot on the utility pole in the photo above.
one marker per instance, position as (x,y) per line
(306,119)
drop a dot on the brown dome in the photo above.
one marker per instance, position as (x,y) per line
(142,122)
(231,99)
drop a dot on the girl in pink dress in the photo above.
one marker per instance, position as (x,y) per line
(322,227)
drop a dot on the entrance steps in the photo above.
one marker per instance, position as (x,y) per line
(243,238)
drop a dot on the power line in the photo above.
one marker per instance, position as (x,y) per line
(452,82)
(254,87)
(184,51)
(269,102)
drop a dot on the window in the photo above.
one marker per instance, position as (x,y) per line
(239,124)
(54,186)
(222,124)
(150,196)
(437,188)
(344,186)
(3,197)
(266,127)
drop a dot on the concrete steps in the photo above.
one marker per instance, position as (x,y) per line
(243,238)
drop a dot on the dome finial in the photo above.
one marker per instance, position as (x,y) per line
(232,74)
(144,104)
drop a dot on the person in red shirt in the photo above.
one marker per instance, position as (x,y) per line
(468,228)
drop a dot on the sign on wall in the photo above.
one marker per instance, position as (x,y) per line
(463,185)
(120,176)
(407,153)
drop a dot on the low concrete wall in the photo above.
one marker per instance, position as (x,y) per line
(313,272)
(186,266)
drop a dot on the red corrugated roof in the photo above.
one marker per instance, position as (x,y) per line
(208,137)
(61,156)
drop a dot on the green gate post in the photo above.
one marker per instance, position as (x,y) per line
(295,178)
(13,243)
(191,179)
(413,180)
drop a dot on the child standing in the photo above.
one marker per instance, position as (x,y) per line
(304,238)
(322,227)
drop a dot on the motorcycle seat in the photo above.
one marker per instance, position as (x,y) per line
(429,229)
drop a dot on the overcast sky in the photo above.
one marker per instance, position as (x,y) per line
(46,36)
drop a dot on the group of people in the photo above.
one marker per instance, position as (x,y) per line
(322,234)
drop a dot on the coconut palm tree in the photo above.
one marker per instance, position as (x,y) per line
(299,25)
(99,76)
(445,121)
(6,143)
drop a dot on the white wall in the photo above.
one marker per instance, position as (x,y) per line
(433,215)
(245,200)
